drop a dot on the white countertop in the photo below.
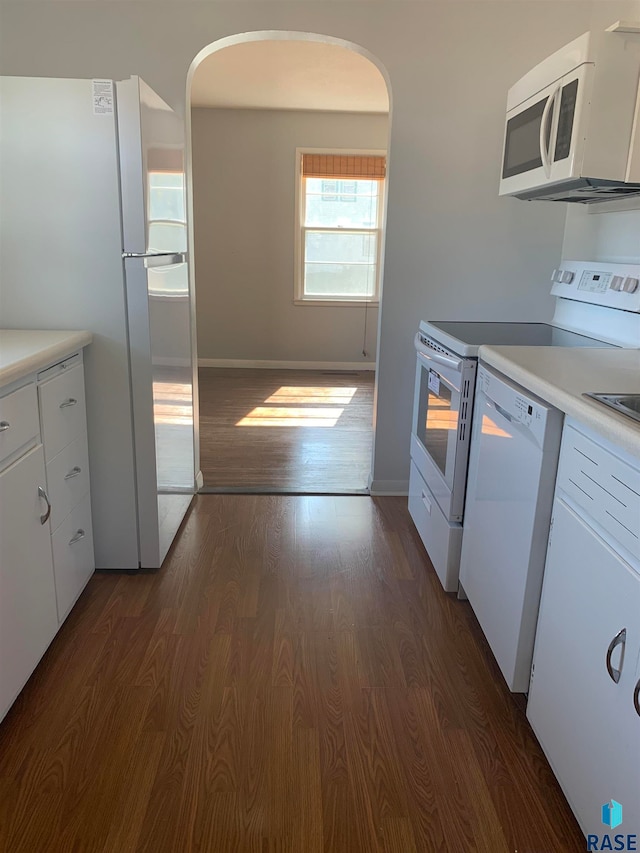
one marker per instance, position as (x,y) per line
(561,375)
(25,351)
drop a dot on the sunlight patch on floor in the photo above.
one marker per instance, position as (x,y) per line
(291,416)
(312,394)
(301,406)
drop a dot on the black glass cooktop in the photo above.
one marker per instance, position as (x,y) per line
(514,334)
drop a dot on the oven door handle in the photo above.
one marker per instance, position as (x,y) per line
(428,355)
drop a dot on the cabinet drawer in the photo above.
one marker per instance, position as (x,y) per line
(604,486)
(442,540)
(68,479)
(19,422)
(73,562)
(62,408)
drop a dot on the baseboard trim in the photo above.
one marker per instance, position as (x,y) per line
(286,365)
(389,487)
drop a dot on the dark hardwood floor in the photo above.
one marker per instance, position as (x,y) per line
(305,431)
(293,679)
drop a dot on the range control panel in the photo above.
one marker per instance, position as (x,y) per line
(611,285)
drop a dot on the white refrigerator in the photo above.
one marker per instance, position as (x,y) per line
(93,236)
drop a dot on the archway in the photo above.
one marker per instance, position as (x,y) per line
(246,318)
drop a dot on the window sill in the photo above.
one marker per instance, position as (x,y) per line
(333,303)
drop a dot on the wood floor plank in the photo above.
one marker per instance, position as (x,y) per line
(308,834)
(293,679)
(241,449)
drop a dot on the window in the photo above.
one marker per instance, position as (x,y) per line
(339,227)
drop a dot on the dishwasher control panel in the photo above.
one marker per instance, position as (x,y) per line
(511,403)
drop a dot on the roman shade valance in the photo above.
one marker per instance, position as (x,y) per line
(366,167)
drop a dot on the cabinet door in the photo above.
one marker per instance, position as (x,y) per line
(28,616)
(585,721)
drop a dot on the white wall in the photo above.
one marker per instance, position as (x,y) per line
(244,164)
(454,249)
(593,233)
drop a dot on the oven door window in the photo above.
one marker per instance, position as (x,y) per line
(438,422)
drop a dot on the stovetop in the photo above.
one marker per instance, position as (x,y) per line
(464,337)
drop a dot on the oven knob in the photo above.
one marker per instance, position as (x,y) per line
(567,277)
(616,283)
(630,284)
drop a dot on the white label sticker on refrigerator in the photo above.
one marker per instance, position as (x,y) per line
(102,95)
(434,382)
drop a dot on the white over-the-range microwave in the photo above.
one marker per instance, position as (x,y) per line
(572,131)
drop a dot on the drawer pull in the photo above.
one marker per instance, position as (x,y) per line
(79,535)
(4,426)
(620,639)
(636,698)
(73,472)
(42,494)
(71,401)
(426,502)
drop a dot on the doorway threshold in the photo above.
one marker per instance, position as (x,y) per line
(274,490)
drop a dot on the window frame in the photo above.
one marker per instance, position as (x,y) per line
(299,297)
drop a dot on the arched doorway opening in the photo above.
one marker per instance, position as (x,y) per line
(288,139)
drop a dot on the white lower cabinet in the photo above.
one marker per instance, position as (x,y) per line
(28,617)
(64,427)
(585,673)
(72,556)
(46,541)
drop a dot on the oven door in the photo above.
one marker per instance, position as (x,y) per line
(443,404)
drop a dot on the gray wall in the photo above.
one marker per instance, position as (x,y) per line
(244,165)
(454,249)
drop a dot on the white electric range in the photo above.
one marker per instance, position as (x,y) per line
(597,305)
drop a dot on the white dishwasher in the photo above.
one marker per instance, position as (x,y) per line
(512,467)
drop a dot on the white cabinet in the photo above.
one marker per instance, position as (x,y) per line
(46,541)
(586,663)
(19,425)
(28,615)
(62,407)
(64,429)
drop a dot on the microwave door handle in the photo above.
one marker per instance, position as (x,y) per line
(544,152)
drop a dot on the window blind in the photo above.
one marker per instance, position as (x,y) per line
(365,167)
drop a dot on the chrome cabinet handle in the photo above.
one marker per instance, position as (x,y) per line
(620,639)
(79,535)
(73,472)
(71,401)
(636,698)
(42,494)
(4,426)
